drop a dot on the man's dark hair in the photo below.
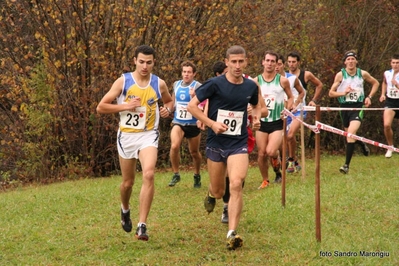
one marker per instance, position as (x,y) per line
(144,49)
(270,52)
(295,55)
(235,49)
(395,56)
(219,67)
(189,64)
(281,57)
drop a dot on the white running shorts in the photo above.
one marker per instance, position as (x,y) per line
(129,144)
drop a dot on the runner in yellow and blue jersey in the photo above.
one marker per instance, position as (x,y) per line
(137,95)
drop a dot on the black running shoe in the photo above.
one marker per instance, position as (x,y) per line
(365,149)
(126,222)
(278,179)
(344,169)
(225,215)
(141,232)
(234,241)
(197,181)
(175,180)
(209,203)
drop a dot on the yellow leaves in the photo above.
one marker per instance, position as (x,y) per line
(14,108)
(58,63)
(24,108)
(37,35)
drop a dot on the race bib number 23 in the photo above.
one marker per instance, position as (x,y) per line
(134,120)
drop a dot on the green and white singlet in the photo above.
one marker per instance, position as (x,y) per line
(356,82)
(273,95)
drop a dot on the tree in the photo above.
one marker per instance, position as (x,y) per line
(58,58)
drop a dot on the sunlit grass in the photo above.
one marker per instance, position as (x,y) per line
(77,223)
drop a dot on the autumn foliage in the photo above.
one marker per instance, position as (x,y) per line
(59,57)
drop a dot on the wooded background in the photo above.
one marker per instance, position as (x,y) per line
(59,57)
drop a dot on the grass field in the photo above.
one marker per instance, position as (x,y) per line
(78,223)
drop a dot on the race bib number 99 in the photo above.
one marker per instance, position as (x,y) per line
(134,120)
(233,119)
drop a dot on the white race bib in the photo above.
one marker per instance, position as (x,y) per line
(233,119)
(135,120)
(182,113)
(270,101)
(393,93)
(353,95)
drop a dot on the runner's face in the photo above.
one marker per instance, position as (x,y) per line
(269,63)
(187,74)
(395,65)
(280,66)
(236,64)
(144,64)
(293,64)
(350,62)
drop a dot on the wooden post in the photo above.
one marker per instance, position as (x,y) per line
(303,149)
(317,177)
(283,162)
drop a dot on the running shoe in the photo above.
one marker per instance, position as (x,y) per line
(197,180)
(209,203)
(141,232)
(344,169)
(225,215)
(276,163)
(175,180)
(365,149)
(234,241)
(297,167)
(388,154)
(291,167)
(278,179)
(126,222)
(264,184)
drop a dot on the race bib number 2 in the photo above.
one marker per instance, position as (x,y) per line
(233,119)
(134,120)
(270,101)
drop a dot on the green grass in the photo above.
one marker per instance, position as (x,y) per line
(78,223)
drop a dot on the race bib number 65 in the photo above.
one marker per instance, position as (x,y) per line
(233,119)
(352,96)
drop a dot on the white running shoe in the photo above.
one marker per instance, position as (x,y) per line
(388,154)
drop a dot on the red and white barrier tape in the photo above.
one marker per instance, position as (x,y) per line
(312,108)
(350,135)
(319,125)
(311,127)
